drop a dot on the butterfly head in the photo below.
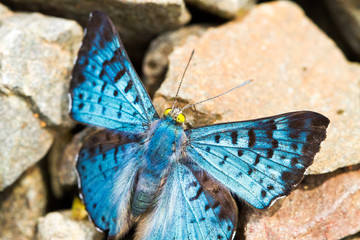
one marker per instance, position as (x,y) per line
(175,114)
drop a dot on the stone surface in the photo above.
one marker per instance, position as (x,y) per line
(36,58)
(323,207)
(37,54)
(62,160)
(294,67)
(156,59)
(23,140)
(224,8)
(61,226)
(346,14)
(21,205)
(138,21)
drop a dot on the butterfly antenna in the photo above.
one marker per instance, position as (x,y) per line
(182,78)
(238,86)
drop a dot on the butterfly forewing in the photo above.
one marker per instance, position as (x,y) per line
(188,209)
(105,88)
(259,160)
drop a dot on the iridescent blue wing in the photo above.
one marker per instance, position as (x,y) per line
(107,166)
(191,205)
(105,88)
(259,160)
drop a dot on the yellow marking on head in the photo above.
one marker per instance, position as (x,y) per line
(180,118)
(175,115)
(167,111)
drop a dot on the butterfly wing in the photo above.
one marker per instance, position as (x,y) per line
(105,89)
(259,160)
(191,205)
(107,166)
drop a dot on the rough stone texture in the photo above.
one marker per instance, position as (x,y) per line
(138,21)
(346,14)
(294,67)
(36,58)
(21,205)
(224,8)
(62,160)
(61,226)
(323,207)
(156,59)
(23,140)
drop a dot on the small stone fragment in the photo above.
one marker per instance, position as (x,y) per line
(61,226)
(21,204)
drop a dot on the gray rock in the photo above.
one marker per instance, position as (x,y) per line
(37,54)
(156,59)
(21,205)
(346,14)
(138,21)
(23,140)
(36,58)
(61,226)
(224,8)
(294,66)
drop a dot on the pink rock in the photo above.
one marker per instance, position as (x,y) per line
(323,207)
(294,66)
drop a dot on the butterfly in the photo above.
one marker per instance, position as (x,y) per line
(149,171)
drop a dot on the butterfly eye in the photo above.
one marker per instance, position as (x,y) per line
(167,111)
(180,118)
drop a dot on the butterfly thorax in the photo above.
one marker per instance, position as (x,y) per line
(165,141)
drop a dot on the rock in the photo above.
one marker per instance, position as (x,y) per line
(294,67)
(23,138)
(156,59)
(323,207)
(21,205)
(346,14)
(37,55)
(224,8)
(138,21)
(62,160)
(36,58)
(61,226)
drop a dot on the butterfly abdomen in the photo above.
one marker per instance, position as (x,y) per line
(165,138)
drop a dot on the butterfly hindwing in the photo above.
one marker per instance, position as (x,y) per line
(259,160)
(105,88)
(107,166)
(190,206)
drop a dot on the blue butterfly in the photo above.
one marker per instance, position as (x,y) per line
(171,182)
